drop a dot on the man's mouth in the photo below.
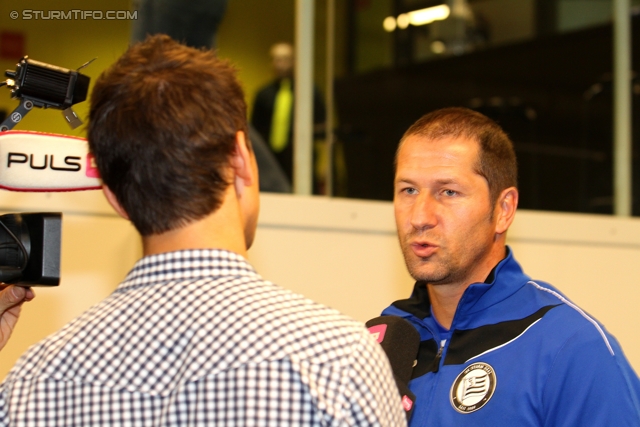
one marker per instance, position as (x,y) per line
(423,249)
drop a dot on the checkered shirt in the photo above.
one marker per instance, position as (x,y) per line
(198,338)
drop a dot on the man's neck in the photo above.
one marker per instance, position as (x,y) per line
(444,302)
(222,229)
(445,297)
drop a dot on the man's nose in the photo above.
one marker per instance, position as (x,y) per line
(424,212)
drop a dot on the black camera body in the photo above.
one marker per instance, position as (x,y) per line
(30,248)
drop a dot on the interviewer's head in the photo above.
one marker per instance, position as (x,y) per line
(163,125)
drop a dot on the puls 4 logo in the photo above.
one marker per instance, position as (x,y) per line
(48,161)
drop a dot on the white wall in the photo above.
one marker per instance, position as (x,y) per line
(343,253)
(340,252)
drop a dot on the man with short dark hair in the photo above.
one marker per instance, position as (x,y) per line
(193,336)
(497,348)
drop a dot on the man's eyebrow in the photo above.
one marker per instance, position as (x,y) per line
(404,181)
(445,181)
(440,181)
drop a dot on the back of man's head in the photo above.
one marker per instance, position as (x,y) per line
(162,127)
(497,160)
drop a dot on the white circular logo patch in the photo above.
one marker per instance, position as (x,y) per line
(473,388)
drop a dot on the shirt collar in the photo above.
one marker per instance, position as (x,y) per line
(190,264)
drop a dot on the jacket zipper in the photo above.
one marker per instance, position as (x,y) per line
(439,355)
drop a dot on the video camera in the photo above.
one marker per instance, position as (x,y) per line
(30,242)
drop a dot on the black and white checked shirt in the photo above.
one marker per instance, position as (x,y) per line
(198,338)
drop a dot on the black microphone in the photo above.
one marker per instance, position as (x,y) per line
(400,341)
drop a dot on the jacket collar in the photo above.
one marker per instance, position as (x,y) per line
(504,280)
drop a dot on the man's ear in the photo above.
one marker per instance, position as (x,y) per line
(113,201)
(244,174)
(505,209)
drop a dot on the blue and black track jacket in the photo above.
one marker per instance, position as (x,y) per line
(518,353)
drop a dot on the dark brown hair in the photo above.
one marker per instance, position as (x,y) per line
(162,127)
(497,160)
